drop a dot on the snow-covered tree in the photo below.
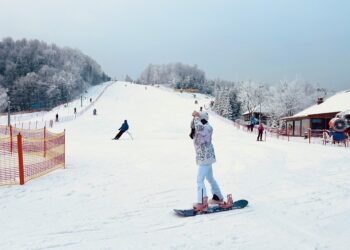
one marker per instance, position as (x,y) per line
(33,71)
(226,101)
(252,94)
(3,99)
(290,97)
(177,75)
(128,78)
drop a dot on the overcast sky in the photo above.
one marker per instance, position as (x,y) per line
(264,40)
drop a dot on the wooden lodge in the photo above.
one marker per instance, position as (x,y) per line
(317,117)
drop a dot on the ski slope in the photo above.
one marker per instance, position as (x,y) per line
(120,194)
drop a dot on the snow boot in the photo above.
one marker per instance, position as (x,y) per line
(201,207)
(228,203)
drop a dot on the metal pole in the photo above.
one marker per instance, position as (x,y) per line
(81,101)
(260,114)
(8,113)
(260,96)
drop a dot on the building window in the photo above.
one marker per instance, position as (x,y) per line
(317,123)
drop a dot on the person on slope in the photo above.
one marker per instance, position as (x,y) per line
(205,157)
(260,132)
(122,129)
(253,121)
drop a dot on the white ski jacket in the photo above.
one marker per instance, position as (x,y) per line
(205,154)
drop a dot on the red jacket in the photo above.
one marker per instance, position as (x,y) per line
(261,128)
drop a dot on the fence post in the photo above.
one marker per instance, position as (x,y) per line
(20,159)
(309,134)
(45,142)
(11,139)
(345,138)
(64,149)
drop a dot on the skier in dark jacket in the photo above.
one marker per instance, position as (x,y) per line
(122,129)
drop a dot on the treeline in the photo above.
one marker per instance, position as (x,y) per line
(176,75)
(275,101)
(232,99)
(34,74)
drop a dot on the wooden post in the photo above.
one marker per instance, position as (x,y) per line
(20,159)
(309,134)
(345,138)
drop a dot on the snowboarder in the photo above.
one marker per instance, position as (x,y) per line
(122,129)
(205,157)
(260,132)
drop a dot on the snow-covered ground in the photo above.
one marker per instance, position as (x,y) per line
(41,119)
(120,194)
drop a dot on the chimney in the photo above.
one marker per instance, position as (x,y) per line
(319,100)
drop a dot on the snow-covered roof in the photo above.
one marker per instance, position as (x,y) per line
(336,103)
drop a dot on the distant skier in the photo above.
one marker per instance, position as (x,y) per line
(205,157)
(260,132)
(122,129)
(253,121)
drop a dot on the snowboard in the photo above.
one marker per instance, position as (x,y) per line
(211,209)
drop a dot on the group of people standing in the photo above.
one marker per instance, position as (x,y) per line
(253,122)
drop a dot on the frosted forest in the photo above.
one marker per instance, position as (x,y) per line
(34,74)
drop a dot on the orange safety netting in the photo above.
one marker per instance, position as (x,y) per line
(36,152)
(43,156)
(9,173)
